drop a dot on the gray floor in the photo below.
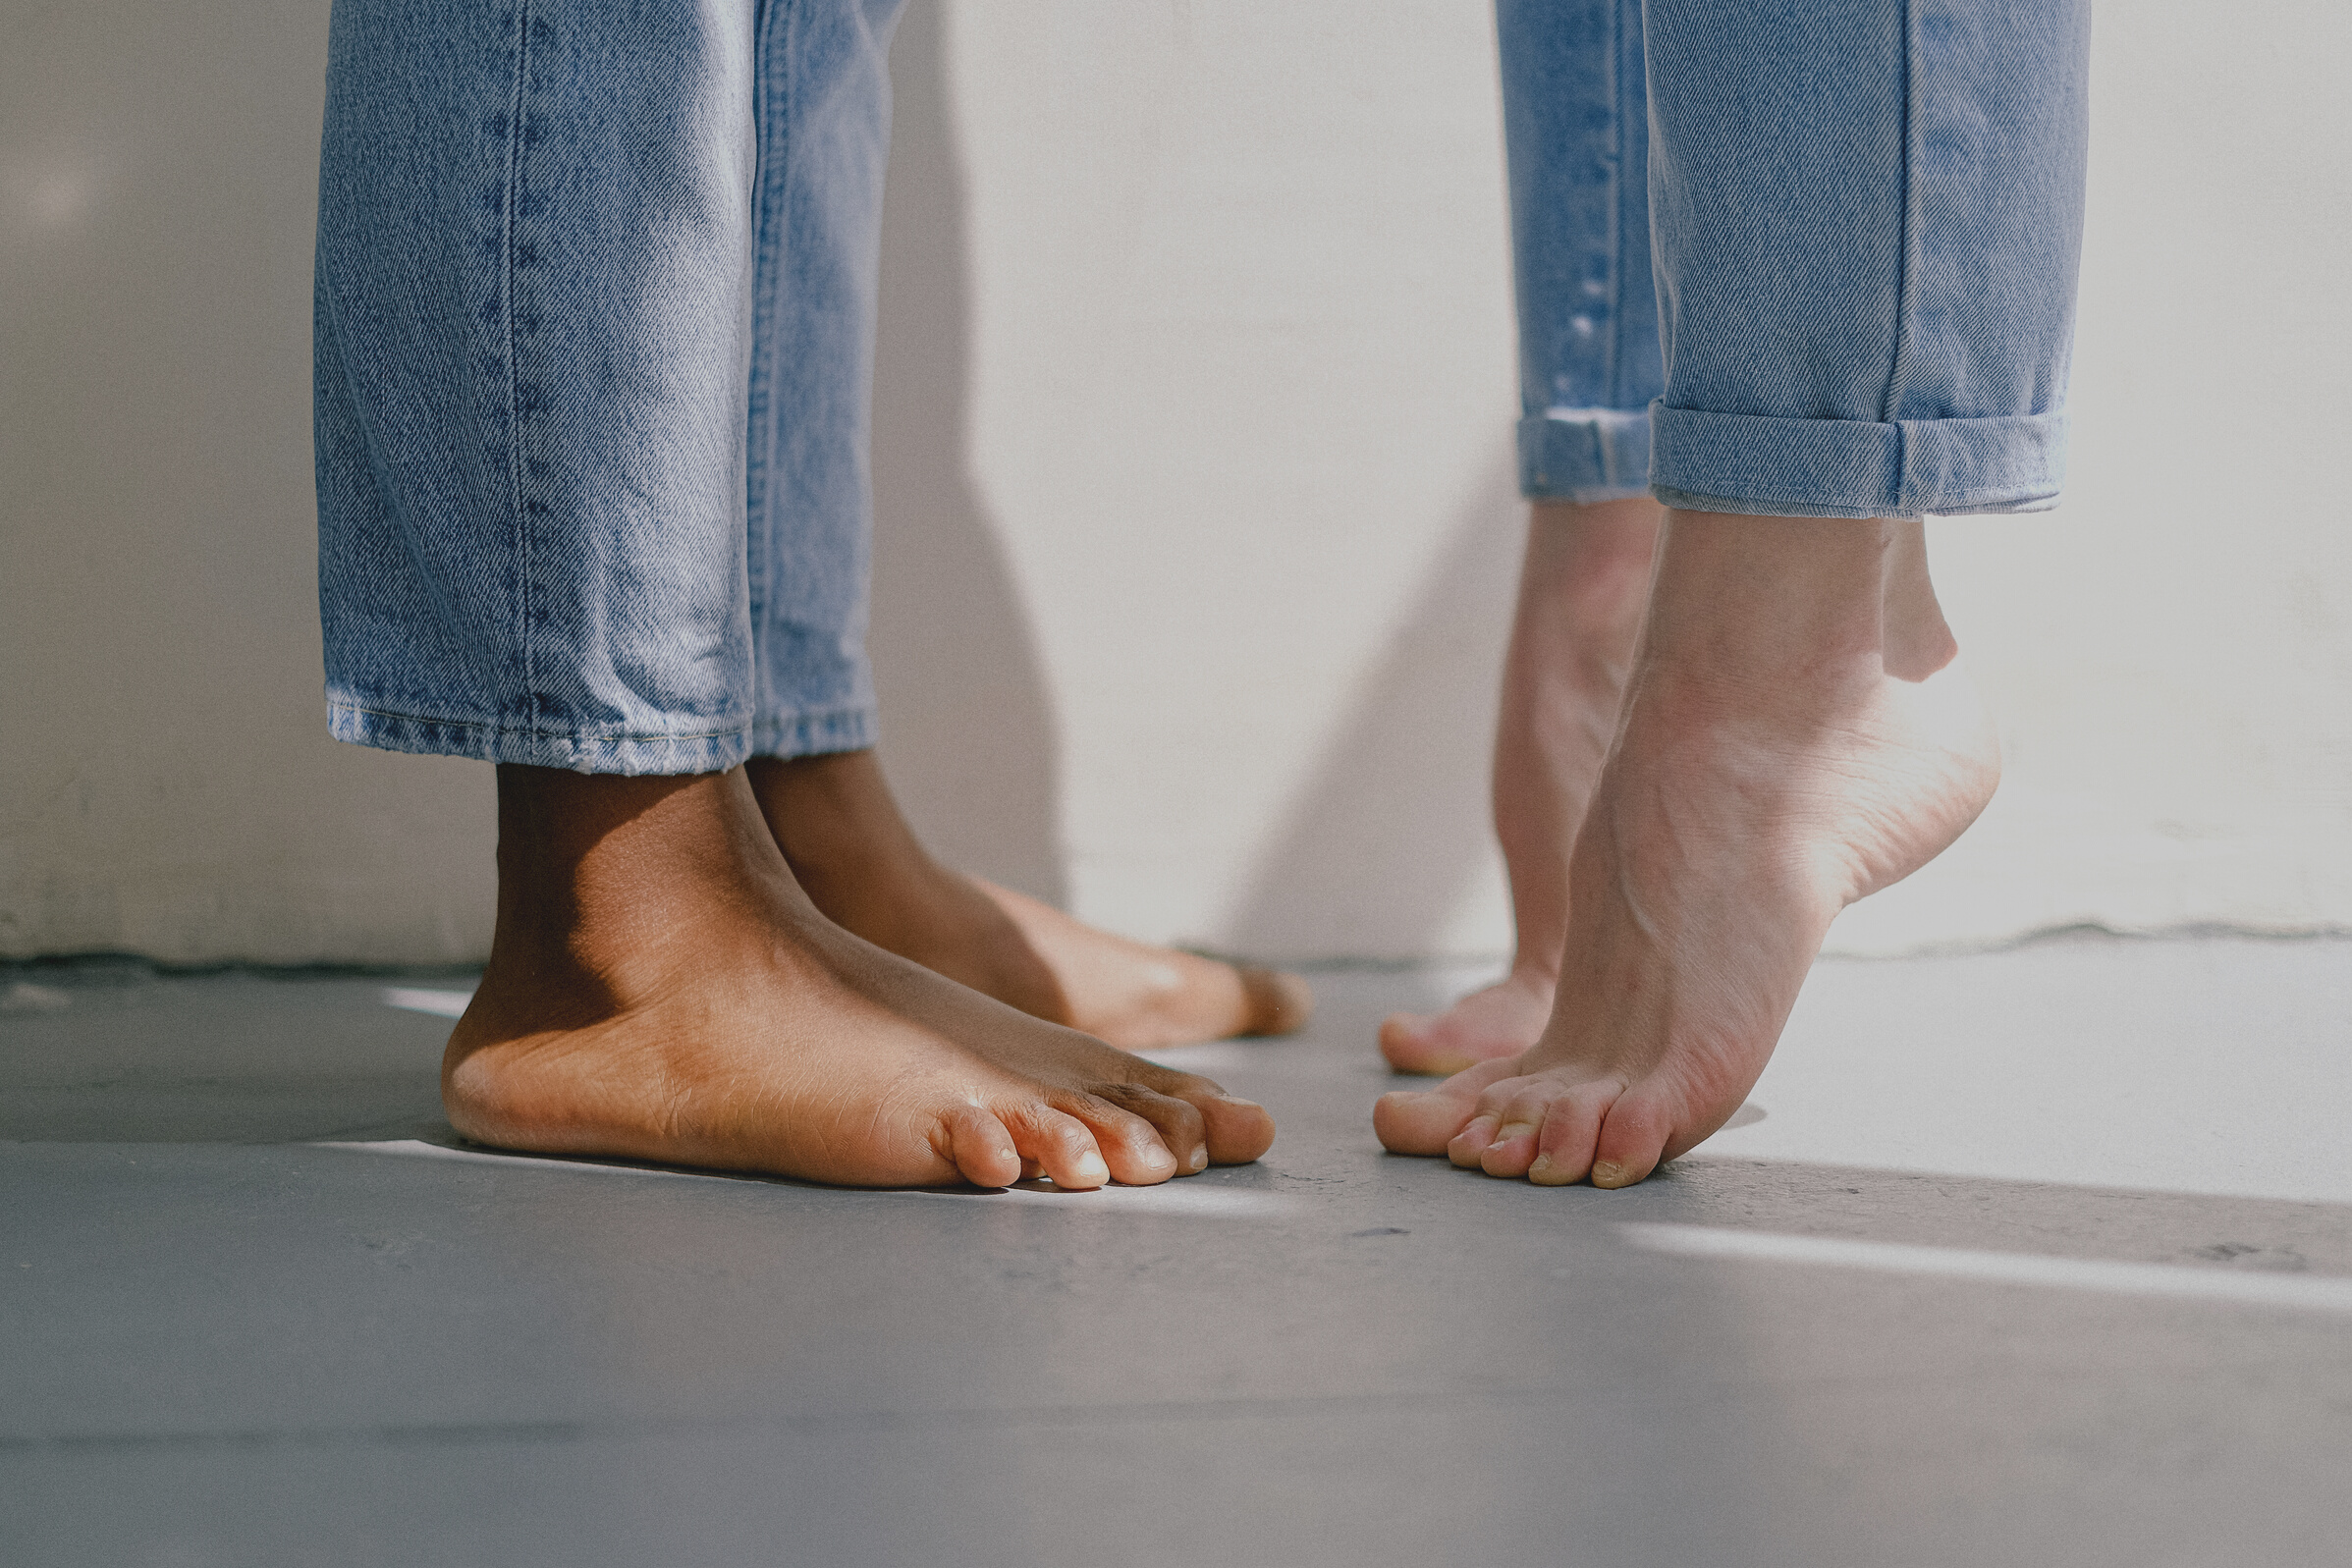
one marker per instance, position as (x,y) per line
(2034,1258)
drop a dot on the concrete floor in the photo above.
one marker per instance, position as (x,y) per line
(2032,1258)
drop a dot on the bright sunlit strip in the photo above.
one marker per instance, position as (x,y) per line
(2310,1292)
(418,1149)
(1179,1198)
(440,1004)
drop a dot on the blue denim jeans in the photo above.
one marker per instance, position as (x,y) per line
(594,346)
(1829,273)
(595,290)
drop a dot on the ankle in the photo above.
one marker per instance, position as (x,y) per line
(1785,605)
(599,874)
(836,823)
(1593,560)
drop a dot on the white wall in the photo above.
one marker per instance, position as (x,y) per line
(1192,466)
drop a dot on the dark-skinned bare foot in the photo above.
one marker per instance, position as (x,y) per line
(861,864)
(659,988)
(1582,586)
(1797,734)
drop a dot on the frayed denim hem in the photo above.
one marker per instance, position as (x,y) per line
(713,752)
(806,735)
(814,735)
(1755,465)
(1584,454)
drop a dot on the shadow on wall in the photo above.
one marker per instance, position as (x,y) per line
(1388,837)
(969,732)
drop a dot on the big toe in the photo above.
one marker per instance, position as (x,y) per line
(1238,1130)
(1408,1043)
(1234,1130)
(1413,1121)
(1275,1001)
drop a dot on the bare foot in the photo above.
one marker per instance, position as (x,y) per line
(862,865)
(1497,1020)
(659,988)
(1797,735)
(1582,586)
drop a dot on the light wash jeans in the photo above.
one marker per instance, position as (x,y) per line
(595,291)
(1830,273)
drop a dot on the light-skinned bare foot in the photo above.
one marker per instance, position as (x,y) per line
(843,834)
(1582,584)
(659,988)
(1797,734)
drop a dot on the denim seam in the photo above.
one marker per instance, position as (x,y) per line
(758,387)
(1616,196)
(517,139)
(576,736)
(1907,283)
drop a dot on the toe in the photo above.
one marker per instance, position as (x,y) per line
(1469,1146)
(1516,1107)
(980,1149)
(1572,1125)
(1057,1145)
(1275,1001)
(1512,1148)
(1129,1143)
(1238,1131)
(1426,1121)
(1182,1130)
(1632,1140)
(1405,1044)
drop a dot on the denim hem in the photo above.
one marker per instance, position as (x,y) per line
(711,751)
(1762,467)
(1584,454)
(814,735)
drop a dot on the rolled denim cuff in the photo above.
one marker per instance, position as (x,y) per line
(1761,466)
(1584,454)
(814,735)
(704,751)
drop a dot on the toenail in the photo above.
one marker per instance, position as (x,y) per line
(1510,1131)
(1090,1167)
(1200,1158)
(1540,1168)
(1607,1173)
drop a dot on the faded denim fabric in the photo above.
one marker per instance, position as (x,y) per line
(1864,218)
(595,293)
(1576,131)
(594,325)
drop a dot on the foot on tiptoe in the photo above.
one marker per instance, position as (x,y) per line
(1798,735)
(1497,1020)
(1583,582)
(659,988)
(842,833)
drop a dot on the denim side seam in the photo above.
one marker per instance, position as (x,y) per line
(519,137)
(1584,454)
(706,751)
(1757,466)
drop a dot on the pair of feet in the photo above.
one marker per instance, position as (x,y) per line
(1683,816)
(763,970)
